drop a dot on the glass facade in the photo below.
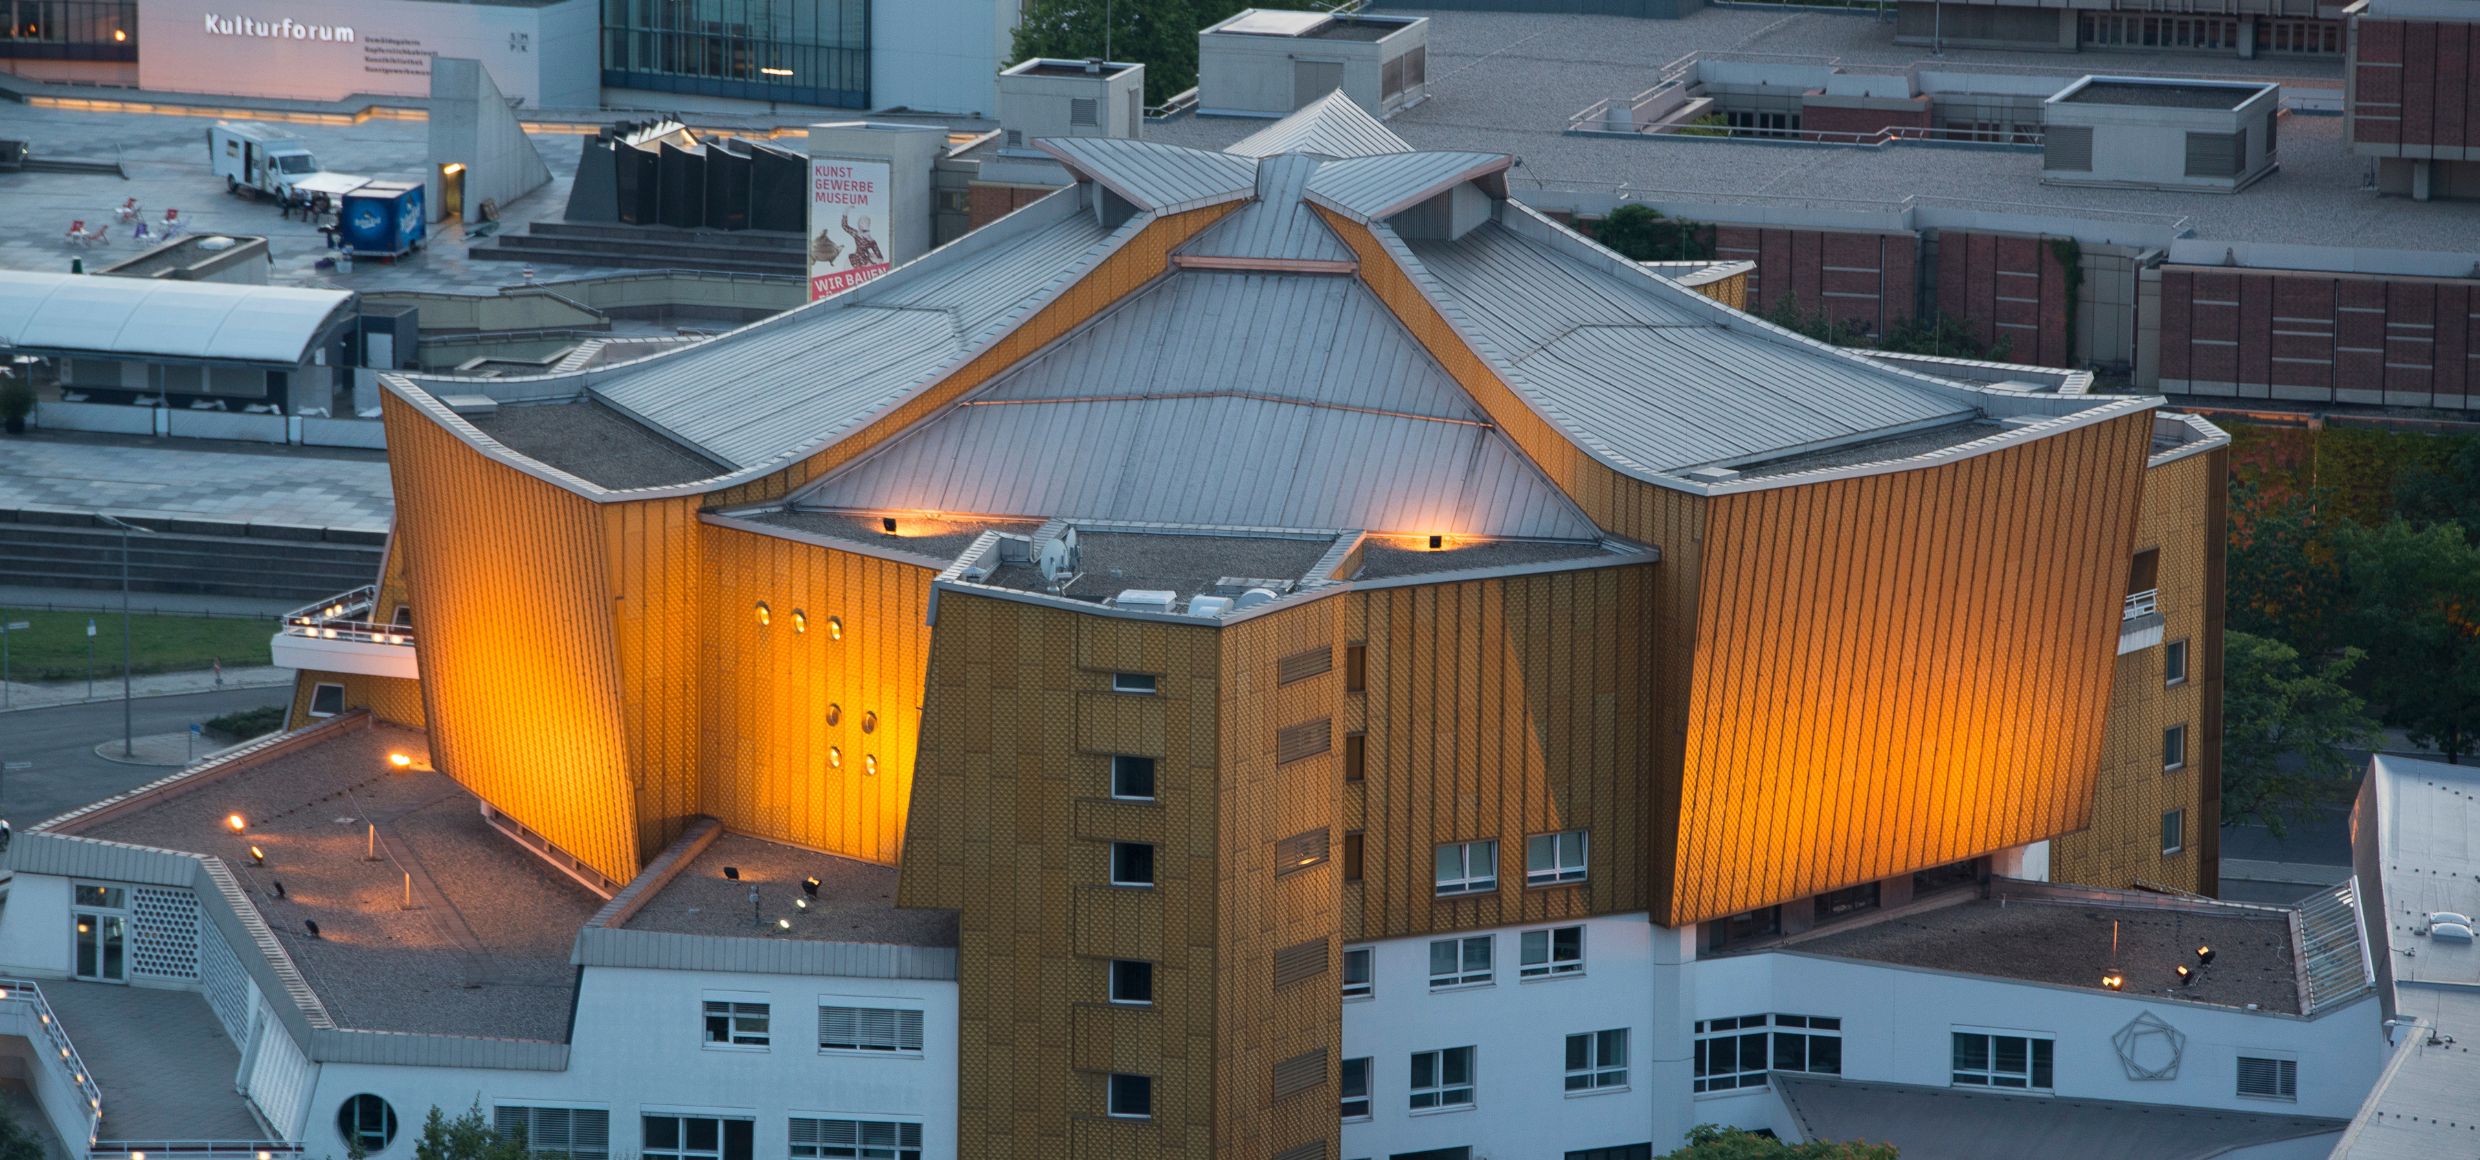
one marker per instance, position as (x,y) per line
(812,52)
(69,29)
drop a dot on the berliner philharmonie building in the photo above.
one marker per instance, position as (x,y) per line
(1252,655)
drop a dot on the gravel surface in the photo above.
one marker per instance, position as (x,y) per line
(2069,945)
(483,952)
(856,900)
(593,443)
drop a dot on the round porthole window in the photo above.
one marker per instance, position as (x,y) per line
(869,722)
(869,764)
(765,616)
(800,621)
(835,628)
(835,757)
(367,1123)
(835,714)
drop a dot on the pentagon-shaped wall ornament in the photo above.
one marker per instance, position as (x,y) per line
(2149,1048)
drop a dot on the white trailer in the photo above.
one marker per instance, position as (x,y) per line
(263,160)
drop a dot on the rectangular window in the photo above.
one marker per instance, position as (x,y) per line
(888,1029)
(1810,1043)
(2174,831)
(1360,974)
(1442,1079)
(1468,867)
(730,1024)
(1849,900)
(2173,747)
(1550,859)
(326,700)
(576,1133)
(854,1139)
(1459,962)
(1355,756)
(2268,1079)
(1132,778)
(2000,1060)
(1355,668)
(2174,663)
(1355,1089)
(1131,1097)
(1352,856)
(110,897)
(695,1138)
(1764,922)
(1731,1053)
(1132,682)
(1597,1060)
(1545,953)
(1299,852)
(1132,981)
(1132,864)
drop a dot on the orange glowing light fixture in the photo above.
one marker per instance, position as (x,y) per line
(800,621)
(2113,980)
(401,760)
(2204,954)
(2186,976)
(237,822)
(765,615)
(120,35)
(258,857)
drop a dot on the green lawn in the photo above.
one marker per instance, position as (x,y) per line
(53,645)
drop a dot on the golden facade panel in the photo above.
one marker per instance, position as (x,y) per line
(394,700)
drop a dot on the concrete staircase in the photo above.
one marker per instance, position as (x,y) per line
(260,561)
(648,248)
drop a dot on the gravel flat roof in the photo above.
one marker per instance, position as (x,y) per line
(1508,83)
(856,900)
(2162,96)
(483,952)
(938,539)
(594,443)
(2068,944)
(1390,559)
(1114,562)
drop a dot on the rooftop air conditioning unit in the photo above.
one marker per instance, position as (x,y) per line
(1254,598)
(1208,606)
(1146,600)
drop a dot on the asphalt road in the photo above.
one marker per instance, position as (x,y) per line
(60,743)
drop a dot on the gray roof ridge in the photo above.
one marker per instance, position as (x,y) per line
(1331,126)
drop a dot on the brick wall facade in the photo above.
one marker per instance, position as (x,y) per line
(1867,278)
(2318,337)
(992,202)
(2412,93)
(2006,286)
(1823,118)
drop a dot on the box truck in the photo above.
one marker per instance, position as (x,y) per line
(263,160)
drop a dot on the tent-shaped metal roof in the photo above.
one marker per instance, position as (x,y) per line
(132,317)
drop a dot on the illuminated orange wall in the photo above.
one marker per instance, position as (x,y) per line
(390,699)
(767,689)
(1903,670)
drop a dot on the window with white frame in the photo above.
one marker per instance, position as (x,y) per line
(1132,982)
(2174,747)
(2266,1078)
(670,1137)
(2174,663)
(577,1133)
(854,1140)
(887,1029)
(326,700)
(2002,1059)
(1550,859)
(1132,864)
(2173,831)
(1360,972)
(1129,1097)
(1132,778)
(1459,962)
(1442,1079)
(735,1023)
(1548,953)
(1739,1052)
(1597,1060)
(1355,1089)
(1132,682)
(1467,867)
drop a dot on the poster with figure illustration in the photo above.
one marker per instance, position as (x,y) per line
(847,220)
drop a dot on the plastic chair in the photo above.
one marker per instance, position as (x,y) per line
(128,211)
(77,232)
(139,234)
(171,225)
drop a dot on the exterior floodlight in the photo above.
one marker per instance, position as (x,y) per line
(258,857)
(800,904)
(2186,976)
(809,886)
(400,760)
(2113,980)
(237,822)
(2204,954)
(732,872)
(783,924)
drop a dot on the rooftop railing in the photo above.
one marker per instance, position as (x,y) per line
(23,1010)
(2142,604)
(346,617)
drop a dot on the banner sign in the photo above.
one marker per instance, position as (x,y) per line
(847,216)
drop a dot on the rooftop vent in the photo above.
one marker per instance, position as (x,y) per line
(1209,606)
(1146,600)
(2149,133)
(1254,598)
(470,404)
(1270,64)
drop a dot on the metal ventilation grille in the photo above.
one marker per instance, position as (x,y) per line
(1300,852)
(1084,112)
(2216,154)
(1305,664)
(2068,148)
(1313,1150)
(163,933)
(227,988)
(1300,1073)
(1300,962)
(1307,739)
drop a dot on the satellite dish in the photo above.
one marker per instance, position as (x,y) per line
(1076,553)
(1053,562)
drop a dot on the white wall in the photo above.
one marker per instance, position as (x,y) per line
(639,1043)
(1521,1108)
(940,56)
(34,927)
(546,55)
(1898,1027)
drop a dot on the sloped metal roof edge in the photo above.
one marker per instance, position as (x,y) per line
(1484,164)
(1944,455)
(454,424)
(1085,163)
(1616,553)
(2208,437)
(739,523)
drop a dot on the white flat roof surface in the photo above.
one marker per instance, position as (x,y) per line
(135,316)
(1263,23)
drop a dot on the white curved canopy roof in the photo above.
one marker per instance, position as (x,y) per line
(95,314)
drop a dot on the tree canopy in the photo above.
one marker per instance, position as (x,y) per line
(2415,606)
(1715,1142)
(2286,730)
(470,1136)
(1159,34)
(1642,233)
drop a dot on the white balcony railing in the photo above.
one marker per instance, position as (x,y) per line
(346,617)
(338,635)
(66,1091)
(2142,604)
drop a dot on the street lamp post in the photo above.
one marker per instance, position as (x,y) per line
(128,731)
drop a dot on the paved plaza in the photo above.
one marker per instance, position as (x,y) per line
(324,489)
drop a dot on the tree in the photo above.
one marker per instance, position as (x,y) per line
(2285,730)
(17,1142)
(1642,233)
(2446,491)
(17,400)
(1715,1142)
(2284,573)
(2416,607)
(467,1137)
(1159,34)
